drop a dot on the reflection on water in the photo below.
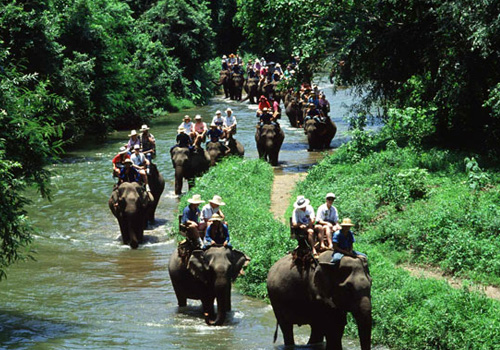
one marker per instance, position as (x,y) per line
(87,290)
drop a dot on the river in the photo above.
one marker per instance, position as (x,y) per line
(87,290)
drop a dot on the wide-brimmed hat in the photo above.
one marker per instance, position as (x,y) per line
(123,150)
(213,124)
(196,199)
(187,117)
(132,133)
(144,127)
(218,112)
(301,202)
(215,217)
(137,147)
(217,200)
(265,109)
(229,110)
(278,65)
(346,222)
(127,161)
(197,117)
(330,195)
(224,56)
(181,129)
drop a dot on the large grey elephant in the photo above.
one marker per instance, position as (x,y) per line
(236,148)
(236,82)
(320,132)
(188,164)
(224,77)
(130,204)
(251,87)
(318,294)
(294,112)
(207,275)
(157,185)
(216,151)
(269,139)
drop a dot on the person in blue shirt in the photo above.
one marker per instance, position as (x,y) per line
(128,173)
(214,133)
(191,219)
(217,232)
(343,241)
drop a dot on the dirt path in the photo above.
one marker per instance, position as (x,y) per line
(429,272)
(283,187)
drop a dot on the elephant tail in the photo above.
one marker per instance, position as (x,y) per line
(276,333)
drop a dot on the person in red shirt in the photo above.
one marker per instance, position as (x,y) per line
(119,159)
(264,103)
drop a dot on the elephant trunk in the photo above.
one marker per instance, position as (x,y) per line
(222,294)
(363,316)
(178,179)
(132,227)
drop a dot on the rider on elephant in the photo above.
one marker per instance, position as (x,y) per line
(118,160)
(218,120)
(303,220)
(217,232)
(343,241)
(214,134)
(267,118)
(327,221)
(148,143)
(188,125)
(230,124)
(324,105)
(141,164)
(200,130)
(128,173)
(182,140)
(191,219)
(263,103)
(314,113)
(134,140)
(209,210)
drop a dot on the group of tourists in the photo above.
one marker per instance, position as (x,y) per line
(191,134)
(132,162)
(205,227)
(268,111)
(323,230)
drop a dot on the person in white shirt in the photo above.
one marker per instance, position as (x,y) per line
(230,122)
(303,219)
(188,125)
(219,120)
(327,218)
(210,209)
(140,162)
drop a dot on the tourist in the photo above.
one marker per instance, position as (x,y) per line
(217,232)
(118,161)
(141,164)
(134,140)
(210,209)
(303,221)
(200,130)
(148,143)
(327,222)
(128,173)
(191,219)
(343,243)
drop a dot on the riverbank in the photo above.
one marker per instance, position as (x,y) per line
(410,312)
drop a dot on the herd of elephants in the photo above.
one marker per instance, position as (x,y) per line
(302,289)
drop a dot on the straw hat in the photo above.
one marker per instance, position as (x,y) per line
(196,199)
(123,150)
(181,129)
(137,147)
(187,117)
(144,127)
(346,222)
(217,200)
(330,195)
(197,117)
(218,112)
(132,133)
(127,161)
(301,202)
(229,110)
(215,217)
(213,124)
(265,109)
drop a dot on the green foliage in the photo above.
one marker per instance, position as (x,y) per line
(403,187)
(411,125)
(476,178)
(245,187)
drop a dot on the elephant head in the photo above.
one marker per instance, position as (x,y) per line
(188,164)
(348,288)
(216,152)
(269,139)
(129,203)
(217,267)
(320,132)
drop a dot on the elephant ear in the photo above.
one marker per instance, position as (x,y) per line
(198,265)
(238,261)
(144,197)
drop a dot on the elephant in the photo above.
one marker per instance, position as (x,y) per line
(236,148)
(206,275)
(319,294)
(294,113)
(224,77)
(188,164)
(216,151)
(320,132)
(269,139)
(157,185)
(130,204)
(236,86)
(251,87)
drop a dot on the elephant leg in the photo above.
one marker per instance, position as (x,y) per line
(181,299)
(124,232)
(317,333)
(208,310)
(336,331)
(287,330)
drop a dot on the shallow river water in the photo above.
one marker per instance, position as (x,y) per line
(86,290)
